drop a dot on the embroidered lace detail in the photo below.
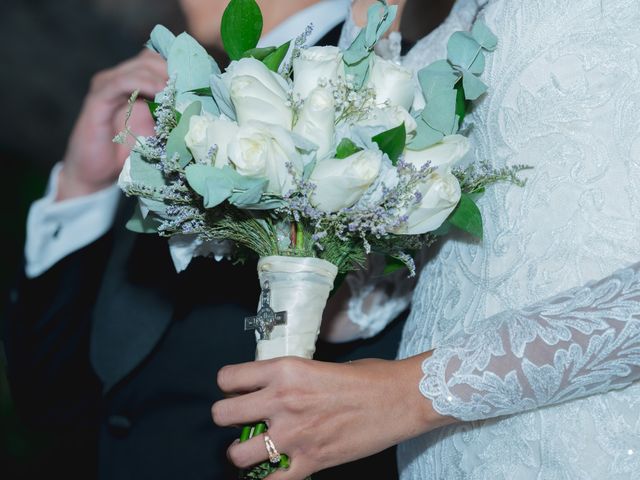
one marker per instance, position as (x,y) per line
(579,343)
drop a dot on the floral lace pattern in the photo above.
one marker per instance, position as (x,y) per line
(579,343)
(564,99)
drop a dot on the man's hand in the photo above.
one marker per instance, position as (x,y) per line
(324,414)
(92,161)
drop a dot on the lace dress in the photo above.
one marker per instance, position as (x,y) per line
(536,329)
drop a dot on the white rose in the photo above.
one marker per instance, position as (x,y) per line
(205,132)
(258,93)
(392,83)
(317,120)
(263,150)
(442,155)
(391,117)
(314,64)
(440,196)
(341,183)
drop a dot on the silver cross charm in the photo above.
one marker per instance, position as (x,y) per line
(266,319)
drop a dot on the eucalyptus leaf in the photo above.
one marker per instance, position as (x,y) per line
(462,50)
(217,190)
(274,60)
(440,112)
(346,148)
(357,56)
(161,40)
(241,27)
(138,224)
(484,36)
(175,142)
(467,217)
(392,142)
(436,78)
(213,184)
(251,195)
(477,67)
(302,143)
(473,86)
(208,104)
(270,203)
(189,64)
(425,136)
(145,173)
(222,97)
(308,169)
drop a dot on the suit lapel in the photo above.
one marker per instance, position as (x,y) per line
(135,304)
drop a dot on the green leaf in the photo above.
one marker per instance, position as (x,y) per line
(346,148)
(241,27)
(153,106)
(393,265)
(467,217)
(161,40)
(484,36)
(392,142)
(273,60)
(202,92)
(259,53)
(139,224)
(175,142)
(461,102)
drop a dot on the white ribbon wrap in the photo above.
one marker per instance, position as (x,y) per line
(300,286)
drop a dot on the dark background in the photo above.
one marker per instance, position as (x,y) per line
(48,52)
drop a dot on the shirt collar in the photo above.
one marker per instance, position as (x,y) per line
(324,15)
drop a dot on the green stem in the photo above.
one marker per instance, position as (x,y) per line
(299,237)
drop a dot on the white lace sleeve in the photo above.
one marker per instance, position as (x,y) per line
(377,299)
(579,343)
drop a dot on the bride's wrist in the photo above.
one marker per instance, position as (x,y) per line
(425,417)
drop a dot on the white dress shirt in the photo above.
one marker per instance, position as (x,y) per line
(57,229)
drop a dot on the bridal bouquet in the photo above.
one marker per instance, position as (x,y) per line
(310,158)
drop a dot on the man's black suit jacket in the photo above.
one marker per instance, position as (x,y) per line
(115,356)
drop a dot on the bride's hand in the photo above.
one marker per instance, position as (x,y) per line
(323,414)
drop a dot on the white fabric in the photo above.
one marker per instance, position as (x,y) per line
(510,333)
(300,286)
(324,15)
(56,229)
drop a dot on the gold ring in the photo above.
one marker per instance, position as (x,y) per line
(274,456)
